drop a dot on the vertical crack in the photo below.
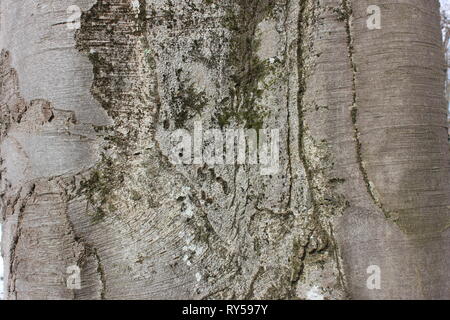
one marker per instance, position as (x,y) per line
(320,238)
(16,238)
(346,15)
(288,102)
(341,275)
(301,56)
(101,273)
(301,91)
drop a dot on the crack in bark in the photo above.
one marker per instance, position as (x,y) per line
(88,249)
(301,140)
(101,272)
(301,92)
(12,251)
(337,257)
(288,102)
(347,15)
(323,239)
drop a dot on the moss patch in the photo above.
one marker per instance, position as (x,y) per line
(187,103)
(248,71)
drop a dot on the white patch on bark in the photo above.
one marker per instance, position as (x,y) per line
(135,4)
(314,294)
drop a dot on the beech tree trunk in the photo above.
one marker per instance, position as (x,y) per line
(87,181)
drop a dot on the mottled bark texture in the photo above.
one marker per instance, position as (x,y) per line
(85,176)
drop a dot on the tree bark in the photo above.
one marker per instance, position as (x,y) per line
(87,181)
